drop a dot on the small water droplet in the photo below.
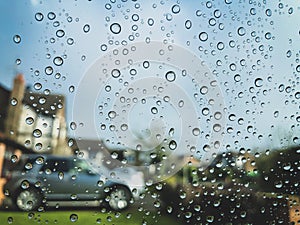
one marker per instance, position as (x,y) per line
(13,101)
(17,39)
(73,217)
(115,73)
(86,28)
(115,28)
(60,33)
(71,89)
(203,36)
(48,70)
(73,126)
(175,9)
(170,76)
(58,61)
(172,145)
(51,16)
(188,24)
(39,16)
(37,133)
(241,31)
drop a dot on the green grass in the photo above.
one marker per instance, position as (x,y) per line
(85,218)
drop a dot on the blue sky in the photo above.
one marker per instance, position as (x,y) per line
(251,68)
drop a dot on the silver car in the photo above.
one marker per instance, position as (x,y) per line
(38,181)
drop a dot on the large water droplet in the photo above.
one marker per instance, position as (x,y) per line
(203,36)
(73,217)
(175,9)
(17,39)
(170,76)
(58,61)
(115,28)
(86,28)
(37,133)
(39,16)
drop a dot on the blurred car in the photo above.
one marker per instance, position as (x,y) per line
(38,181)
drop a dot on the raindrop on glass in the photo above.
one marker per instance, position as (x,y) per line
(172,145)
(115,28)
(241,31)
(51,16)
(17,39)
(29,120)
(170,76)
(86,28)
(188,24)
(60,33)
(73,126)
(73,217)
(175,9)
(48,70)
(37,133)
(13,101)
(58,61)
(115,73)
(203,36)
(39,16)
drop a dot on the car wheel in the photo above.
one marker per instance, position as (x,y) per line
(119,198)
(28,200)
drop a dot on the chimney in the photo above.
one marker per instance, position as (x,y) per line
(15,107)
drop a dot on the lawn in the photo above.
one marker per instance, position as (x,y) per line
(84,217)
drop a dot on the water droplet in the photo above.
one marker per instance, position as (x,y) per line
(86,28)
(17,39)
(196,131)
(154,110)
(146,64)
(203,36)
(150,22)
(13,101)
(48,70)
(71,89)
(115,28)
(175,9)
(172,145)
(112,114)
(115,73)
(58,61)
(37,133)
(170,76)
(124,127)
(278,184)
(73,126)
(37,86)
(51,16)
(103,47)
(39,16)
(204,90)
(25,184)
(60,33)
(258,82)
(241,31)
(40,160)
(268,12)
(60,175)
(73,217)
(10,220)
(14,158)
(70,41)
(188,24)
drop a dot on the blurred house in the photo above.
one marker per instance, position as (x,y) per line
(36,120)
